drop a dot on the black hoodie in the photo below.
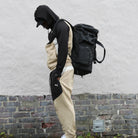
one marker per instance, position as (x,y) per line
(45,16)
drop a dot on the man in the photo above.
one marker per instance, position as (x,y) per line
(59,62)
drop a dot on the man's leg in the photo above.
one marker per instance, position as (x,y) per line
(64,105)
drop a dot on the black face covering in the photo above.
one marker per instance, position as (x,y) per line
(45,16)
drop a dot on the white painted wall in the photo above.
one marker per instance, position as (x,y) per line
(23,69)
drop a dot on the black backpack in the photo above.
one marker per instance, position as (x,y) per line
(83,53)
(84,49)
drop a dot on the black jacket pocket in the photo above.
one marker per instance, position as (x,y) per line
(55,86)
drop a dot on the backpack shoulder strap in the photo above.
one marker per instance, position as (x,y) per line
(99,43)
(53,30)
(67,22)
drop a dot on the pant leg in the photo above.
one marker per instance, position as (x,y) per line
(64,105)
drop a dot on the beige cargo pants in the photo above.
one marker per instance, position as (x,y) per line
(63,102)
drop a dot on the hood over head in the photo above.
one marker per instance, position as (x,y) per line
(45,16)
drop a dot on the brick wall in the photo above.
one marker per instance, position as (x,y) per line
(23,116)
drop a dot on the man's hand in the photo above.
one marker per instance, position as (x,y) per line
(58,78)
(55,75)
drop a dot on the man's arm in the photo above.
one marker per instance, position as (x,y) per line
(62,34)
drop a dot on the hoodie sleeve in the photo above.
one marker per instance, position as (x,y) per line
(62,34)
